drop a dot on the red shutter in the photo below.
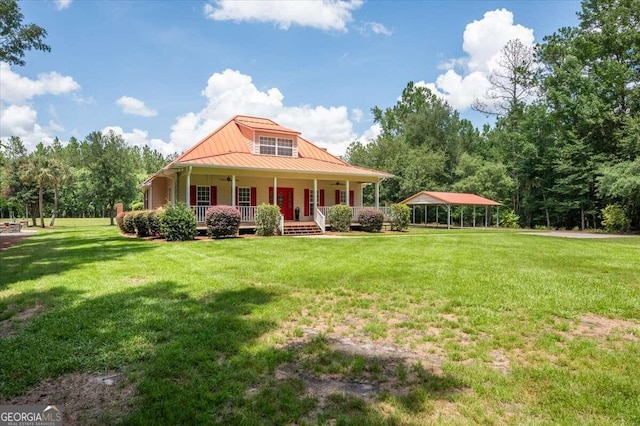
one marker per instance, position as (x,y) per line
(337,197)
(306,201)
(193,195)
(254,196)
(213,194)
(270,195)
(321,201)
(351,200)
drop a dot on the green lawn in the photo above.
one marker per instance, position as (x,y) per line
(428,327)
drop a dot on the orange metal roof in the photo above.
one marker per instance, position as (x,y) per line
(451,198)
(230,146)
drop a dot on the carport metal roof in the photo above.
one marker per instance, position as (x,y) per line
(449,198)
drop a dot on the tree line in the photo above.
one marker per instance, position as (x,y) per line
(79,179)
(566,141)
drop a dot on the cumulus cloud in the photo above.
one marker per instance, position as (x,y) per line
(63,4)
(135,106)
(230,93)
(321,14)
(467,78)
(138,137)
(370,134)
(22,121)
(356,115)
(17,89)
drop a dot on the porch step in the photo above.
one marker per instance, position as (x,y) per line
(302,229)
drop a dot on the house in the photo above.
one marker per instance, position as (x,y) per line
(249,161)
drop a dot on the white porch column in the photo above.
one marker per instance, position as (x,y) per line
(347,195)
(275,190)
(188,193)
(315,195)
(233,190)
(377,194)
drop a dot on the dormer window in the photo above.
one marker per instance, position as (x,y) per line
(269,145)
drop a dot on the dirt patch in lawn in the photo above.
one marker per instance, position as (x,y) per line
(598,327)
(83,398)
(9,326)
(8,240)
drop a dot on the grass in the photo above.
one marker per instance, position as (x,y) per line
(484,326)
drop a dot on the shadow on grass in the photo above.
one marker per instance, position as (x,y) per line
(50,253)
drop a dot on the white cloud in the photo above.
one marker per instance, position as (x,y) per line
(17,89)
(320,14)
(230,93)
(140,138)
(370,134)
(21,121)
(482,41)
(63,4)
(135,106)
(356,115)
(376,28)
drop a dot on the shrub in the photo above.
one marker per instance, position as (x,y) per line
(136,206)
(614,219)
(141,223)
(399,216)
(128,225)
(178,223)
(222,221)
(371,219)
(340,217)
(509,219)
(153,222)
(267,219)
(120,220)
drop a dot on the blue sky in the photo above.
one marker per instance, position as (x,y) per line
(167,73)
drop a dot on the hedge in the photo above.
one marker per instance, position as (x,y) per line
(340,217)
(399,216)
(178,223)
(371,219)
(222,221)
(267,219)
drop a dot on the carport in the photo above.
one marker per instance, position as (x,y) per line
(437,199)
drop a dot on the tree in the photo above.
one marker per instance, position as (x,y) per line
(113,172)
(15,37)
(40,170)
(512,82)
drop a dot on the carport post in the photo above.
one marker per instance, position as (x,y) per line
(486,215)
(474,216)
(437,223)
(448,216)
(461,216)
(425,214)
(497,216)
(413,209)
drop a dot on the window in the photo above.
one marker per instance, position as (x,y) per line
(244,196)
(204,196)
(343,197)
(311,198)
(276,146)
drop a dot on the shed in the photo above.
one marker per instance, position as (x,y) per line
(449,199)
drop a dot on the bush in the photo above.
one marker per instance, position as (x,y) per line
(141,224)
(509,219)
(371,219)
(267,219)
(222,221)
(178,223)
(128,225)
(340,217)
(136,206)
(399,216)
(153,222)
(614,219)
(120,220)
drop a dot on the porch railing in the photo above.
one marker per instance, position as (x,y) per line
(320,220)
(281,224)
(247,213)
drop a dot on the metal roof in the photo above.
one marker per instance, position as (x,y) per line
(455,198)
(230,147)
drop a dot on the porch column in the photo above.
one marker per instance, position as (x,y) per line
(315,195)
(377,194)
(233,190)
(347,195)
(188,193)
(275,190)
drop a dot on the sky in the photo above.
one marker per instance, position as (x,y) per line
(167,73)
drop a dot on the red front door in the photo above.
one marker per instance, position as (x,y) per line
(284,200)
